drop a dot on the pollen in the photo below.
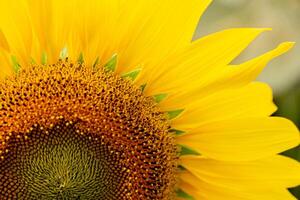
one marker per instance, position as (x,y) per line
(68,131)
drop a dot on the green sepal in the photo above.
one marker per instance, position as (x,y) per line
(132,74)
(181,168)
(44,58)
(160,97)
(32,61)
(80,59)
(143,87)
(112,63)
(174,113)
(96,63)
(184,150)
(16,65)
(180,193)
(177,132)
(63,53)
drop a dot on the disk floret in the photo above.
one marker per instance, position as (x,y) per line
(92,108)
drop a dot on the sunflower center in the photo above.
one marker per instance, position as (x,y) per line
(72,132)
(59,163)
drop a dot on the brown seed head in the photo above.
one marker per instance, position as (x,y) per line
(112,141)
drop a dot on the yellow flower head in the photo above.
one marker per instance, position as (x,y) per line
(111,99)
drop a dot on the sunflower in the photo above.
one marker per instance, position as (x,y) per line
(112,99)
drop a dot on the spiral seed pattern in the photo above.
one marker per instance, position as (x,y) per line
(85,133)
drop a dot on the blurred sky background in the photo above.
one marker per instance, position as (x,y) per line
(283,74)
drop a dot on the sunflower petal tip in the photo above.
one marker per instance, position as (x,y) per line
(267,29)
(279,50)
(284,47)
(287,45)
(293,130)
(260,30)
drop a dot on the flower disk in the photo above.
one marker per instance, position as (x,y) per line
(73,132)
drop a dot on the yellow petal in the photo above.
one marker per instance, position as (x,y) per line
(6,65)
(242,139)
(224,78)
(252,100)
(206,55)
(50,27)
(3,42)
(97,28)
(269,173)
(16,28)
(200,189)
(165,27)
(79,27)
(248,71)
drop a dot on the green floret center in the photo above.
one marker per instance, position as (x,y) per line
(63,170)
(61,163)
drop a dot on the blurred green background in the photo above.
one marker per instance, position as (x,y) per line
(283,74)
